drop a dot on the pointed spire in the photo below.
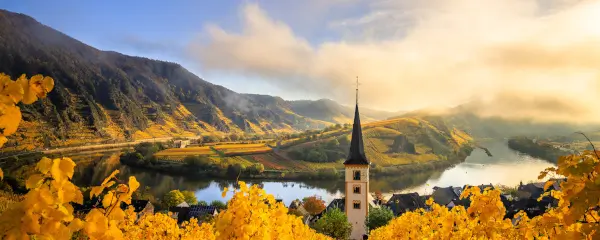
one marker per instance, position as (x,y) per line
(357,150)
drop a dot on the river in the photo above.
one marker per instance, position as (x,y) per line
(505,167)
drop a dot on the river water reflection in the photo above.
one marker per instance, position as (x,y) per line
(505,167)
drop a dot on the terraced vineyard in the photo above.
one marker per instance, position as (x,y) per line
(228,150)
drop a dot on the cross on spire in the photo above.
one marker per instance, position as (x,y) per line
(357,90)
(357,151)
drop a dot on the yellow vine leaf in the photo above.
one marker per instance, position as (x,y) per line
(44,165)
(1,174)
(10,117)
(108,199)
(33,181)
(548,184)
(133,184)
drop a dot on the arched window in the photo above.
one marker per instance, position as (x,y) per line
(356,204)
(356,174)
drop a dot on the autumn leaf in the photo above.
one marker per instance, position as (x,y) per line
(133,184)
(108,199)
(33,181)
(44,165)
(10,117)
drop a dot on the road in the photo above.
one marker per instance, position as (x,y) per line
(109,145)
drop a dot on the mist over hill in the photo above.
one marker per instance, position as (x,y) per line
(464,118)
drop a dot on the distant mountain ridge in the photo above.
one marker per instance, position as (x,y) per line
(107,95)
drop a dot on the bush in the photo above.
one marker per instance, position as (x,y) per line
(379,217)
(334,223)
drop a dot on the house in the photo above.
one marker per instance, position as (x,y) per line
(481,187)
(445,196)
(175,211)
(141,207)
(297,206)
(401,203)
(530,190)
(528,195)
(181,143)
(198,211)
(337,203)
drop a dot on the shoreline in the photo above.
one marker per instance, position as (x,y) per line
(181,169)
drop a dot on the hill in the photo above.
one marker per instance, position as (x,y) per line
(101,95)
(462,117)
(401,141)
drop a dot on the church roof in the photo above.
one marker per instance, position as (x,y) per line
(357,150)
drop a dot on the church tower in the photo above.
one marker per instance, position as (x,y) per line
(357,180)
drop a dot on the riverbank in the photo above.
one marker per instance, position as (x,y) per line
(538,149)
(204,168)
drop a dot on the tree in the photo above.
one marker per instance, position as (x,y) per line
(316,155)
(334,143)
(234,170)
(218,204)
(197,161)
(189,197)
(379,217)
(255,169)
(173,198)
(202,203)
(344,140)
(314,205)
(146,149)
(334,223)
(210,139)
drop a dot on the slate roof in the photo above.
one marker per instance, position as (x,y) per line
(481,187)
(444,196)
(400,203)
(200,210)
(357,150)
(530,190)
(339,203)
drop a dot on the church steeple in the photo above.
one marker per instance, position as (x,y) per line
(357,150)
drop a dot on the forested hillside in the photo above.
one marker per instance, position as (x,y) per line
(103,95)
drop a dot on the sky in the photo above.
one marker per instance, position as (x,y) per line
(525,59)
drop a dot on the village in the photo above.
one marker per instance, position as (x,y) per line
(524,199)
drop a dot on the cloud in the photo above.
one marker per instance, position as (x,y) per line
(517,58)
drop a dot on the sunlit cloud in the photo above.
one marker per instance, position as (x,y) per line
(511,58)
